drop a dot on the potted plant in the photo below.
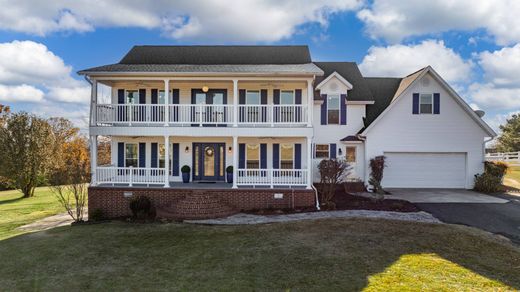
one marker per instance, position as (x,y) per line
(185,173)
(229,174)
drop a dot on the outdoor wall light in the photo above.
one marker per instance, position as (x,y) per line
(340,152)
(230,150)
(205,89)
(187,149)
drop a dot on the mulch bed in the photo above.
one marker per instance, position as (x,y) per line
(345,201)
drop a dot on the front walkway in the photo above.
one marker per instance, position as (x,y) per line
(442,196)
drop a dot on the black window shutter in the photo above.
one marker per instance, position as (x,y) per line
(343,107)
(415,104)
(298,156)
(175,96)
(154,96)
(120,154)
(242,96)
(324,109)
(142,96)
(153,155)
(263,156)
(276,156)
(332,151)
(142,154)
(175,159)
(436,103)
(298,96)
(276,96)
(241,156)
(121,96)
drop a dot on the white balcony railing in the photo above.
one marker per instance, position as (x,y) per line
(272,177)
(129,175)
(200,115)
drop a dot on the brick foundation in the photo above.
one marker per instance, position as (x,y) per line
(112,202)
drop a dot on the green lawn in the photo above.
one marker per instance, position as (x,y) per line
(16,211)
(514,173)
(325,255)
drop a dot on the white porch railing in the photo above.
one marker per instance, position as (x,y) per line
(129,175)
(272,177)
(200,115)
(511,158)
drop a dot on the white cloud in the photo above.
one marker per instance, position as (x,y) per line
(395,20)
(253,20)
(20,93)
(401,60)
(502,67)
(30,72)
(489,96)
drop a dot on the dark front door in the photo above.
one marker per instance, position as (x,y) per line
(209,161)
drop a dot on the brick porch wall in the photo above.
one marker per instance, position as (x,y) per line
(112,202)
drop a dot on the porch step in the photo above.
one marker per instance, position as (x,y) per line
(197,205)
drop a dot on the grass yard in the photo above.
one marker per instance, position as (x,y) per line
(325,255)
(16,211)
(514,173)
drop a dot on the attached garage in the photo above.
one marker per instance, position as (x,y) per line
(425,170)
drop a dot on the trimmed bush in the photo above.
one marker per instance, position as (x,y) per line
(185,169)
(229,169)
(491,180)
(96,215)
(377,167)
(141,207)
(497,169)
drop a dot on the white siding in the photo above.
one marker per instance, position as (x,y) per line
(453,130)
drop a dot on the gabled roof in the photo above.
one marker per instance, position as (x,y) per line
(410,80)
(351,138)
(383,90)
(350,72)
(338,76)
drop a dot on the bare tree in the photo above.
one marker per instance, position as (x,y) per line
(332,173)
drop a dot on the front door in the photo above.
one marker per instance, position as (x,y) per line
(209,161)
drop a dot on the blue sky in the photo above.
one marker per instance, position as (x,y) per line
(474,47)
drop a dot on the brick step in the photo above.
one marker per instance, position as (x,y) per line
(197,205)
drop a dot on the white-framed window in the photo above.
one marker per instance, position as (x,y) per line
(350,154)
(286,156)
(287,97)
(131,96)
(252,96)
(322,151)
(253,156)
(426,103)
(131,155)
(161,96)
(333,108)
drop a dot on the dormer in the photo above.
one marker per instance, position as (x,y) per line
(333,91)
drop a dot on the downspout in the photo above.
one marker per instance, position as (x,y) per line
(364,139)
(317,199)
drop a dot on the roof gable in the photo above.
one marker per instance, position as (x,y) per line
(337,76)
(349,71)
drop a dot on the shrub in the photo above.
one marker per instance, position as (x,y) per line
(497,169)
(491,180)
(487,183)
(377,167)
(332,173)
(185,169)
(96,215)
(229,169)
(141,207)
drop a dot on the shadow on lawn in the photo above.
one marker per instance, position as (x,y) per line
(335,254)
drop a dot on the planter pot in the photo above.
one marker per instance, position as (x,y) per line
(229,177)
(185,177)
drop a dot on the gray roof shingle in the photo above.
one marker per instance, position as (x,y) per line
(383,90)
(349,71)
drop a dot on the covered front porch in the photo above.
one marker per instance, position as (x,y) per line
(213,162)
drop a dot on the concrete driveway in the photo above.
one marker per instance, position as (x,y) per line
(497,214)
(442,196)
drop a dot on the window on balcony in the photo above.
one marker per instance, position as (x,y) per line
(131,155)
(286,156)
(287,97)
(322,151)
(253,156)
(132,97)
(162,96)
(252,112)
(333,108)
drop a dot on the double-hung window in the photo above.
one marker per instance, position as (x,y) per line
(253,156)
(252,113)
(286,110)
(286,156)
(426,103)
(322,151)
(333,109)
(131,155)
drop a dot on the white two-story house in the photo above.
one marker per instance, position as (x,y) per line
(272,114)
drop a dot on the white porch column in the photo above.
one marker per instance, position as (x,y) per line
(310,102)
(235,104)
(93,103)
(310,169)
(93,159)
(166,102)
(235,161)
(167,161)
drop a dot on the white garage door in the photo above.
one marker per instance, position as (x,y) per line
(425,170)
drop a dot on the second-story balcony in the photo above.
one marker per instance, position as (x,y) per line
(186,115)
